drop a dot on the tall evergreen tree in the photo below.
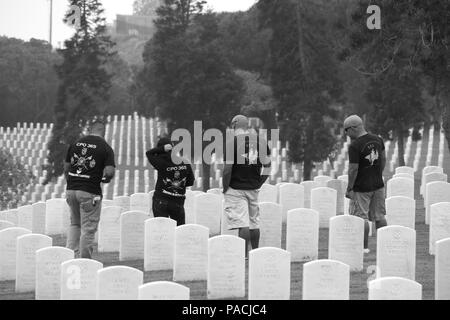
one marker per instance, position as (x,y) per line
(391,59)
(186,76)
(84,90)
(304,77)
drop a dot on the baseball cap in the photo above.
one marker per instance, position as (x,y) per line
(163,141)
(239,121)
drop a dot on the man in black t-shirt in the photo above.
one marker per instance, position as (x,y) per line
(242,180)
(367,160)
(170,189)
(89,162)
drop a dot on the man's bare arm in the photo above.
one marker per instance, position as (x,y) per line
(108,174)
(383,161)
(66,169)
(352,173)
(226,177)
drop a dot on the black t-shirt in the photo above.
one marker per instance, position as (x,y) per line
(366,152)
(172,178)
(88,157)
(247,165)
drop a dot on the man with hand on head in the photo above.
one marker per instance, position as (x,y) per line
(365,190)
(174,175)
(242,179)
(89,162)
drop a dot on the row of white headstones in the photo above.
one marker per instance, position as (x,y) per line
(15,140)
(53,273)
(126,227)
(29,141)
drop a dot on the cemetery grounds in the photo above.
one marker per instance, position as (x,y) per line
(358,280)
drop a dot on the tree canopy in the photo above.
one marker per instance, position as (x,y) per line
(304,77)
(186,76)
(85,85)
(28,81)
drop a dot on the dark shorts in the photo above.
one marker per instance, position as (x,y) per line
(369,205)
(168,209)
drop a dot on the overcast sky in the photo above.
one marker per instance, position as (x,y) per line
(27,19)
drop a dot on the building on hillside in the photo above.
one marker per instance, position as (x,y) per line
(134,25)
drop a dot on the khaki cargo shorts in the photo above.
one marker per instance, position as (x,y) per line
(241,208)
(369,205)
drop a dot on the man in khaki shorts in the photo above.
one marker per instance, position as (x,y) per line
(367,160)
(242,179)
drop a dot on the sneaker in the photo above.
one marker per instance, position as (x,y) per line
(366,250)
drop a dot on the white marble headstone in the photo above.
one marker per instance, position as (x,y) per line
(268,193)
(435,192)
(163,290)
(11,216)
(27,245)
(432,177)
(405,169)
(425,171)
(191,253)
(442,270)
(208,210)
(189,207)
(8,251)
(323,200)
(346,241)
(394,288)
(109,229)
(216,191)
(269,275)
(39,210)
(123,202)
(5,224)
(291,197)
(226,267)
(140,202)
(396,252)
(308,186)
(48,271)
(57,216)
(401,211)
(341,187)
(119,283)
(439,223)
(159,244)
(404,176)
(326,280)
(79,279)
(302,234)
(107,203)
(270,224)
(132,231)
(25,217)
(322,180)
(400,187)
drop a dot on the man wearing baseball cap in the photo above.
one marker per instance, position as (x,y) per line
(242,179)
(367,159)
